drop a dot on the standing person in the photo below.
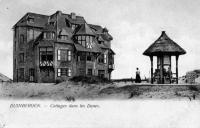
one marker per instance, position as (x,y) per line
(137,79)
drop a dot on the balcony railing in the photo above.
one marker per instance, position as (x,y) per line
(111,66)
(46,63)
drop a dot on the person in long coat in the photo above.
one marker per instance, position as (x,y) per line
(137,79)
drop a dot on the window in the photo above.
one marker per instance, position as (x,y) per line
(15,45)
(89,71)
(59,55)
(63,37)
(15,32)
(85,41)
(105,58)
(31,74)
(21,39)
(59,72)
(15,64)
(64,72)
(30,20)
(101,58)
(69,54)
(89,58)
(69,72)
(52,23)
(64,55)
(74,26)
(49,35)
(30,34)
(44,35)
(101,73)
(21,74)
(46,56)
(79,40)
(21,57)
(81,58)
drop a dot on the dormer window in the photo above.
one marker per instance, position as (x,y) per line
(74,26)
(63,34)
(52,23)
(49,35)
(100,42)
(63,37)
(30,19)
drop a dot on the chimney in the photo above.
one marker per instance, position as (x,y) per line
(59,12)
(73,15)
(105,30)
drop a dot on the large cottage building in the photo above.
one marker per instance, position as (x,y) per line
(58,47)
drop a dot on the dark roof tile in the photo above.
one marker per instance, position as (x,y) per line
(84,29)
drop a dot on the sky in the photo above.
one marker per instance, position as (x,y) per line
(134,25)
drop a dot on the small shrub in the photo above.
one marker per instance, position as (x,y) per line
(177,94)
(89,79)
(193,88)
(70,98)
(133,94)
(58,81)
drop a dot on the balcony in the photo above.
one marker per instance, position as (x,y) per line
(111,66)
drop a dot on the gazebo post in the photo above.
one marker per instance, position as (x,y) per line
(170,70)
(177,69)
(161,70)
(151,58)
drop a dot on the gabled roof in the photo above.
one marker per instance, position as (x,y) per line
(77,20)
(164,45)
(4,78)
(84,29)
(39,20)
(107,37)
(97,28)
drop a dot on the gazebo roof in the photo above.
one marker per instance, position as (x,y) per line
(164,45)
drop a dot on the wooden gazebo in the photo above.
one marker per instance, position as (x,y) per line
(164,48)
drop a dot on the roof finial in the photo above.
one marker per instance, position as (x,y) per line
(163,32)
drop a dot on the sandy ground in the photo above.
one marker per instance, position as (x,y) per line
(73,91)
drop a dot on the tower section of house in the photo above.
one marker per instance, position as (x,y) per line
(58,47)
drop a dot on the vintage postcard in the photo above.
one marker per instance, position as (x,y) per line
(99,64)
